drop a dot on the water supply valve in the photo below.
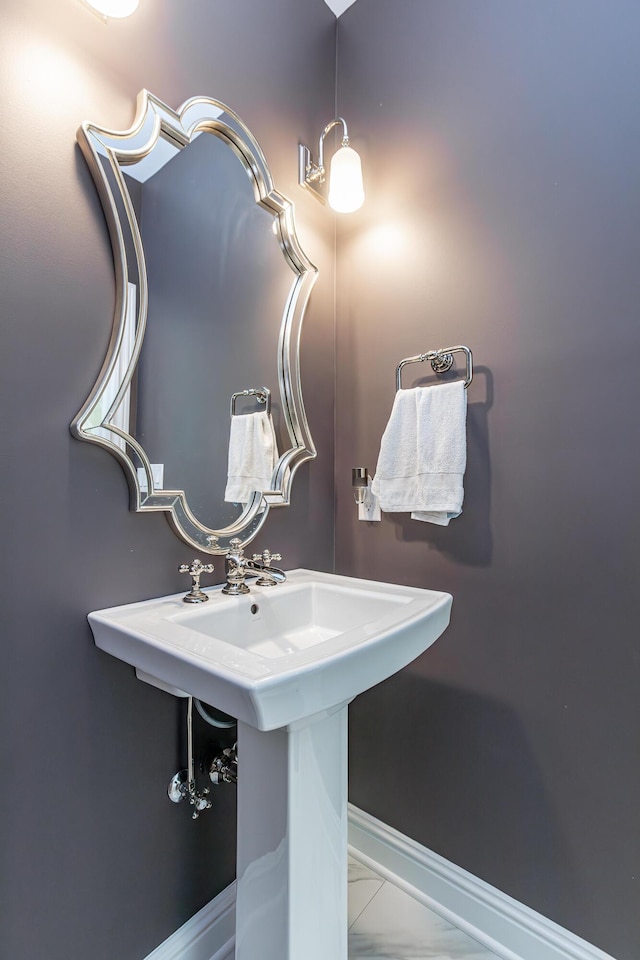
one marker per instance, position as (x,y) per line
(181,788)
(182,785)
(224,767)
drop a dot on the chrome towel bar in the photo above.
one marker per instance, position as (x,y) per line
(441,361)
(262,395)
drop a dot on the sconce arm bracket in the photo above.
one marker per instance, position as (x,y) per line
(311,175)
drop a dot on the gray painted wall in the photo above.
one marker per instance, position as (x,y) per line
(501,147)
(94,860)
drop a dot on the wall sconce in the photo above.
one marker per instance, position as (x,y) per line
(346,192)
(112,8)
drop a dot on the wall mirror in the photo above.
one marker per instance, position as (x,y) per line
(211,290)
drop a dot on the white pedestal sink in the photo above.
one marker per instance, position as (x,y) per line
(285,661)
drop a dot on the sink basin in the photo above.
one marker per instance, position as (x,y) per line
(279,654)
(284,661)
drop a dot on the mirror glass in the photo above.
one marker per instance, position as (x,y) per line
(211,289)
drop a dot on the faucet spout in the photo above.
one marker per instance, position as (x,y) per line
(238,568)
(260,569)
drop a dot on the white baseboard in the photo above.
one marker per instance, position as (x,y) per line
(208,935)
(505,926)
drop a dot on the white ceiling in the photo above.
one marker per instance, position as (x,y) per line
(339,6)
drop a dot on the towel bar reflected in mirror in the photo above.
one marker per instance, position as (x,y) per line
(262,395)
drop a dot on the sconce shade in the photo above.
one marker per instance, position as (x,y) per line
(346,191)
(114,8)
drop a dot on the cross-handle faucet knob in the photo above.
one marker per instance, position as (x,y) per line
(265,558)
(195,571)
(198,800)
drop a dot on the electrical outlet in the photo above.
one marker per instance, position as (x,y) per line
(370,509)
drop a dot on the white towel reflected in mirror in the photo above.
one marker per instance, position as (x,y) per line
(253,456)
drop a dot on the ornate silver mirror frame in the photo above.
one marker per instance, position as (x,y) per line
(101,421)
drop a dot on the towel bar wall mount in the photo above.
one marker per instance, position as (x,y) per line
(441,361)
(262,395)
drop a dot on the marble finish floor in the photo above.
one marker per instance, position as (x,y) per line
(385,923)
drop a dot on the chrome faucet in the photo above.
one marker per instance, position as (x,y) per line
(238,567)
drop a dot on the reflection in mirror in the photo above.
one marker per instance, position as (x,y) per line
(211,290)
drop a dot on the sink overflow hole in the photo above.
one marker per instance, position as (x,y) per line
(254,608)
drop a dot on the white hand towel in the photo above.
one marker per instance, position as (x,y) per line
(423,454)
(253,454)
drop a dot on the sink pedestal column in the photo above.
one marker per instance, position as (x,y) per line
(292,841)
